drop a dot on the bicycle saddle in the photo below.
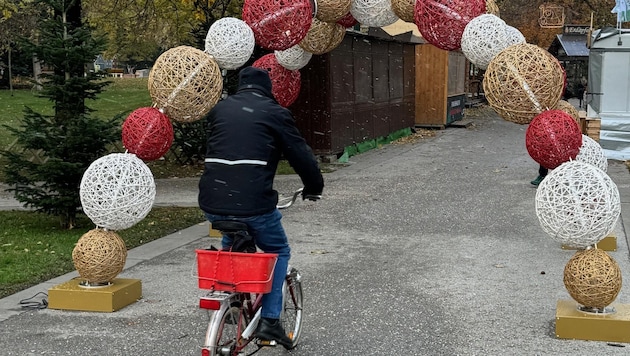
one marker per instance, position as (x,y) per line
(229,226)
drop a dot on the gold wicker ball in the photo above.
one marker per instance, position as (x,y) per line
(521,81)
(404,9)
(322,37)
(593,278)
(99,256)
(569,109)
(332,10)
(185,83)
(492,8)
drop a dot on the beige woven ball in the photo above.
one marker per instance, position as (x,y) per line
(322,37)
(404,9)
(593,278)
(185,83)
(522,81)
(99,256)
(332,10)
(492,8)
(569,109)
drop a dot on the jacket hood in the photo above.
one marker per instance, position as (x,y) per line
(255,78)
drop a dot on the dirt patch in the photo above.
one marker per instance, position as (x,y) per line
(480,112)
(419,134)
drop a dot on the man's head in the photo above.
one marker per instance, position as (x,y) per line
(252,77)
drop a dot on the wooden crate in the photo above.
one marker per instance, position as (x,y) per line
(590,126)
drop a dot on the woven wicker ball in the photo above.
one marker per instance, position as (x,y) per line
(592,153)
(492,8)
(99,256)
(231,42)
(185,83)
(552,138)
(285,84)
(278,24)
(373,13)
(293,58)
(332,10)
(568,108)
(442,22)
(323,37)
(577,204)
(513,35)
(117,191)
(348,20)
(593,278)
(147,133)
(521,81)
(404,9)
(483,38)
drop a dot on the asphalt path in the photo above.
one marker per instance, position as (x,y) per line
(430,247)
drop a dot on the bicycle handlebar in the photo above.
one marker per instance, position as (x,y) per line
(287,202)
(291,200)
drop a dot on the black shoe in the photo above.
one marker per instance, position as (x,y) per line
(271,329)
(537,181)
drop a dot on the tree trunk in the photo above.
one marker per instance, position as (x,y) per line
(10,72)
(37,71)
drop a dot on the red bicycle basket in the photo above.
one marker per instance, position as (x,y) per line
(235,271)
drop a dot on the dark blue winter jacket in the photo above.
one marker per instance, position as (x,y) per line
(248,133)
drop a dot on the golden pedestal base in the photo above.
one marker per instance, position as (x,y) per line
(572,323)
(72,296)
(214,233)
(608,243)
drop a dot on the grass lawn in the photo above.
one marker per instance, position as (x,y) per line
(33,249)
(123,95)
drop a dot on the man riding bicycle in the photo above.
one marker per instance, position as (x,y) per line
(248,133)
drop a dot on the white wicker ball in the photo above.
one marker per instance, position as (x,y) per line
(513,35)
(231,42)
(117,191)
(577,204)
(373,13)
(293,58)
(484,37)
(592,153)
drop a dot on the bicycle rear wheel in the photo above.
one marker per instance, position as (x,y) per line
(292,311)
(224,332)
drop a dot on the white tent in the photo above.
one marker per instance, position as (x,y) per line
(609,89)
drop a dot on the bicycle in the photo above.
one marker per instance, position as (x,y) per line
(234,300)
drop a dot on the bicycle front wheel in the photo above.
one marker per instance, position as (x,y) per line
(292,311)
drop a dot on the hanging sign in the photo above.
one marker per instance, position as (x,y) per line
(551,16)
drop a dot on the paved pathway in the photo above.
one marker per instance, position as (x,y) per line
(426,248)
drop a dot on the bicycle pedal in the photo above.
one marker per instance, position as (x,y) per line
(271,343)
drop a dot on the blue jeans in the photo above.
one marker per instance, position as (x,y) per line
(270,237)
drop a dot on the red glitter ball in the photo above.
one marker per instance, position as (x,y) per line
(278,24)
(285,83)
(442,22)
(147,133)
(347,21)
(552,138)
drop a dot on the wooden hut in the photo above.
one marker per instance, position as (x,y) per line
(362,91)
(378,82)
(440,86)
